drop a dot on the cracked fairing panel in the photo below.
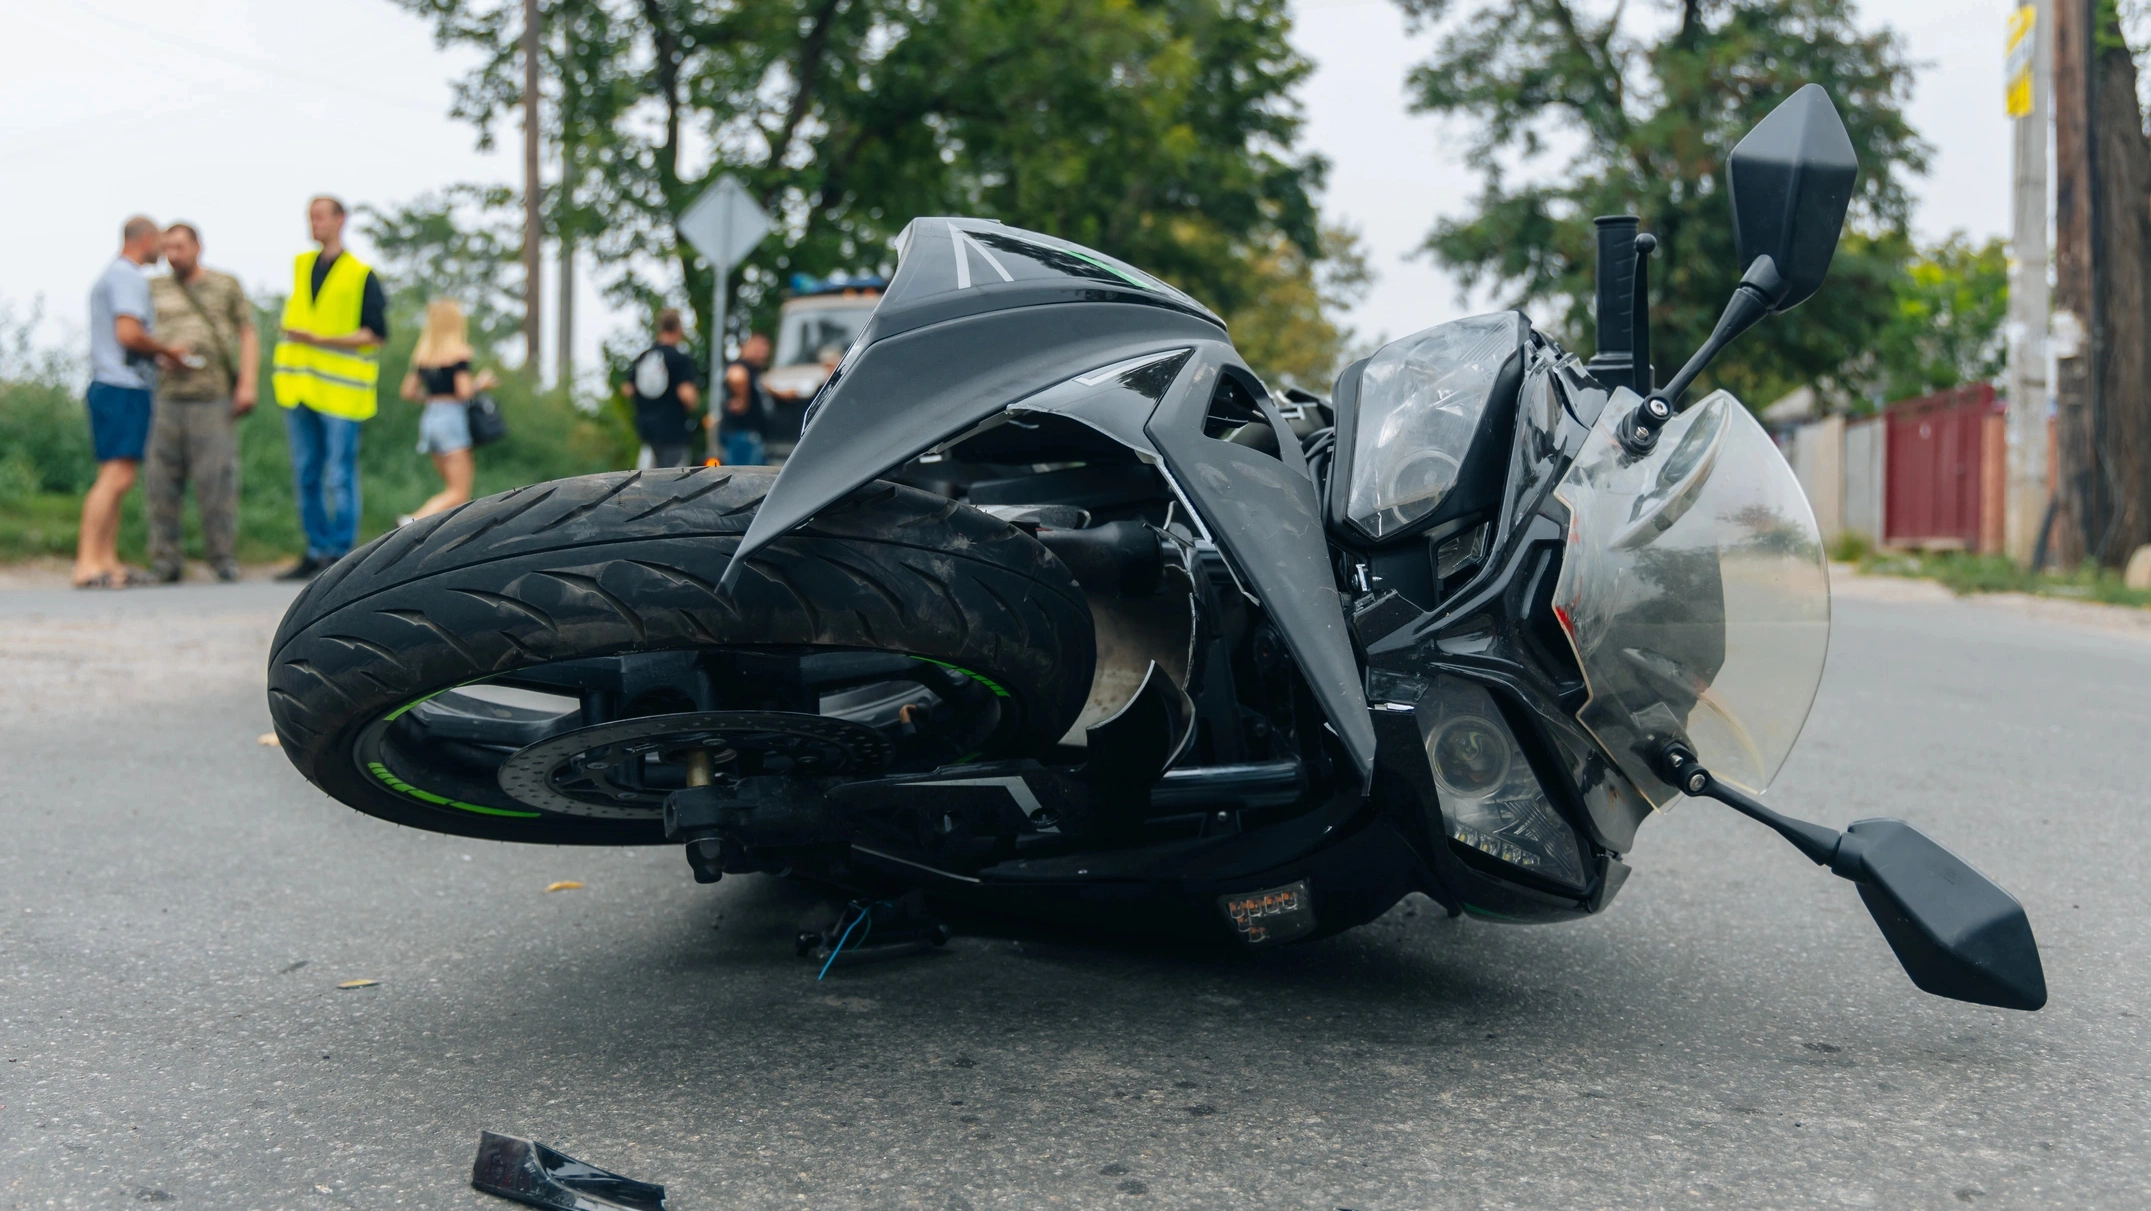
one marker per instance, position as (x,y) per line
(1263,511)
(982,318)
(978,317)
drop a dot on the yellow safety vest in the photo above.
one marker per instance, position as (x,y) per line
(338,382)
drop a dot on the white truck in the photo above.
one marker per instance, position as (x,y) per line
(815,327)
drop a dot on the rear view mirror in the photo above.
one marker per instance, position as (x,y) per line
(1956,932)
(1791,181)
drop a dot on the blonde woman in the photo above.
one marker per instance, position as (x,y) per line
(441,379)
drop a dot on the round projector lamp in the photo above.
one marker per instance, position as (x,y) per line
(1470,755)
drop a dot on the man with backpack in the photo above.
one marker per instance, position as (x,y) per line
(194,434)
(661,385)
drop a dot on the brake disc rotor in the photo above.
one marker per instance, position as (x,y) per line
(623,770)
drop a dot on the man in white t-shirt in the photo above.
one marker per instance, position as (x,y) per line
(123,357)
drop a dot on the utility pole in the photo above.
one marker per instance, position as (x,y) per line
(533,195)
(2030,91)
(571,109)
(2075,319)
(564,326)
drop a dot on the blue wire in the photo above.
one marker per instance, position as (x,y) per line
(864,913)
(870,921)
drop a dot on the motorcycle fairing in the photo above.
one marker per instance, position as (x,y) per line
(978,317)
(948,268)
(1261,508)
(1115,400)
(1030,317)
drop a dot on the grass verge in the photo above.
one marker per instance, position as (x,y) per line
(1963,573)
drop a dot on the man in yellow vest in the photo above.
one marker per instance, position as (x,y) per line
(327,370)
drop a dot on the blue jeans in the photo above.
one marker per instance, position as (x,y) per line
(744,449)
(324,468)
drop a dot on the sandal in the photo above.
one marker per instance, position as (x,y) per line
(136,578)
(103,580)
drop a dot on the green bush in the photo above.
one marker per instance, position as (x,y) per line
(19,479)
(43,425)
(1851,546)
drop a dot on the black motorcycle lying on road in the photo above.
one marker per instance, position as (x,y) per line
(1056,613)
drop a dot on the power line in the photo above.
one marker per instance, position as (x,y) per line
(312,80)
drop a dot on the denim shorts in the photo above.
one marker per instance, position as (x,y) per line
(119,421)
(444,428)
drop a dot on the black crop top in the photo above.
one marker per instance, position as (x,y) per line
(439,382)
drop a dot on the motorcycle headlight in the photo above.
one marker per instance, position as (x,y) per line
(1491,800)
(1421,400)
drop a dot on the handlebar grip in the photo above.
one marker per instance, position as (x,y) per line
(1614,363)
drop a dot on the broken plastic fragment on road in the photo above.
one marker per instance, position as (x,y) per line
(358,983)
(564,885)
(531,1173)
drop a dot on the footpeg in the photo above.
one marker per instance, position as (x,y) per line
(741,825)
(705,856)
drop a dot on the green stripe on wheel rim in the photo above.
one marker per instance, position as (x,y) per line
(981,678)
(398,785)
(396,714)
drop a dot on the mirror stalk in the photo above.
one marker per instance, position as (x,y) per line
(1820,844)
(1755,298)
(1957,933)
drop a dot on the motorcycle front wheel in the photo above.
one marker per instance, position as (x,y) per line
(548,664)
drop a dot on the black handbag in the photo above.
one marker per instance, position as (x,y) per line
(487,426)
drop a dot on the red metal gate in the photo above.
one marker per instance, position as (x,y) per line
(1947,469)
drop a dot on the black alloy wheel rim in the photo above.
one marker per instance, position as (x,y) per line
(524,744)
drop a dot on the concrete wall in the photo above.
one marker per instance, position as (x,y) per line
(1866,457)
(1840,465)
(1818,460)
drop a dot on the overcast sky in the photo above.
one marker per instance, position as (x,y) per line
(230,113)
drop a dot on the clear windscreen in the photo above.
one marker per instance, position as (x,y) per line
(1695,592)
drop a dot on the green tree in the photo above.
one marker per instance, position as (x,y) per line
(1945,326)
(459,243)
(1161,131)
(1288,330)
(1639,115)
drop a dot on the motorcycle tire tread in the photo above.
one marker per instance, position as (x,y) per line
(630,561)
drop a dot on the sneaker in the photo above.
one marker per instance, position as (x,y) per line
(305,569)
(228,572)
(167,575)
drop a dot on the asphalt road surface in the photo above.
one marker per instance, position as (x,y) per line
(177,908)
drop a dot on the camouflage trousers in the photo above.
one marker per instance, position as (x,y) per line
(197,442)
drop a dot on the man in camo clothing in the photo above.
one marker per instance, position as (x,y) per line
(194,434)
